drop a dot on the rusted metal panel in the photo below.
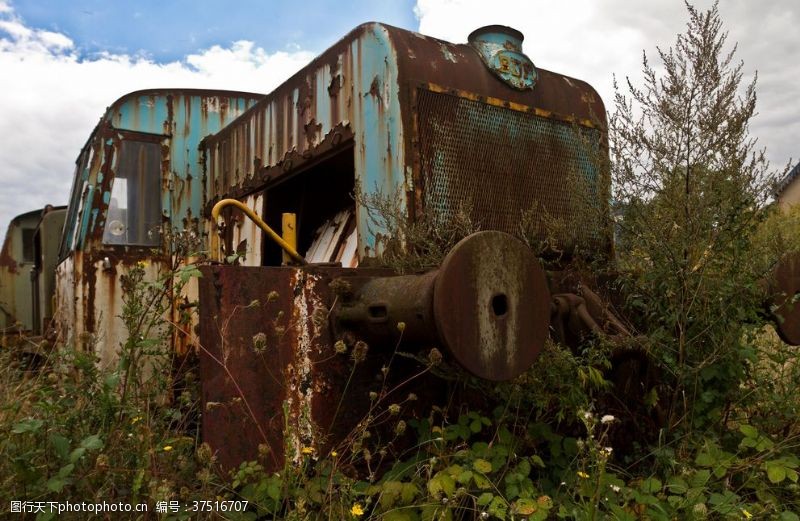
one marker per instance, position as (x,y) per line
(505,166)
(174,121)
(267,362)
(500,48)
(16,264)
(271,374)
(353,85)
(369,81)
(46,241)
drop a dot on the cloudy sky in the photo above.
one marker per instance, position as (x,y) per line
(63,62)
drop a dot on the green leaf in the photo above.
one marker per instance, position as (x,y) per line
(650,486)
(274,490)
(31,425)
(409,492)
(704,459)
(440,484)
(677,485)
(700,478)
(749,431)
(66,470)
(536,460)
(92,442)
(498,507)
(776,472)
(56,484)
(60,445)
(788,516)
(525,506)
(485,498)
(77,454)
(481,482)
(483,466)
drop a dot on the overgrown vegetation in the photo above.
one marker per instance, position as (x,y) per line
(695,241)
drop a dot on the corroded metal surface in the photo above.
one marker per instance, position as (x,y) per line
(488,305)
(269,371)
(500,47)
(369,83)
(492,305)
(16,265)
(46,239)
(505,167)
(169,123)
(785,302)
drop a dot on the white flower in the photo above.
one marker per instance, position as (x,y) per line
(615,488)
(587,415)
(607,419)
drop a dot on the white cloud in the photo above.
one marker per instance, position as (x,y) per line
(594,39)
(52,97)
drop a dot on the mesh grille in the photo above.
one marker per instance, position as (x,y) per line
(508,169)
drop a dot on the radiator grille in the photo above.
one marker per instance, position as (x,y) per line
(509,169)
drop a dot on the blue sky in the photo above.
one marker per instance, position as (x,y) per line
(63,62)
(168,30)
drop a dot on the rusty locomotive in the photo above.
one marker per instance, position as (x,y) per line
(441,128)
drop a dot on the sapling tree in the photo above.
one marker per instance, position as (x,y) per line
(689,187)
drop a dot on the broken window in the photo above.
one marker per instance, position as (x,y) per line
(134,209)
(27,244)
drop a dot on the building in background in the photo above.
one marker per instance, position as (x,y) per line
(788,192)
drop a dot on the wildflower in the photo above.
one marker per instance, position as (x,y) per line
(135,420)
(401,326)
(582,474)
(167,448)
(588,415)
(357,510)
(435,357)
(334,454)
(359,353)
(394,409)
(606,451)
(607,419)
(373,395)
(400,428)
(615,488)
(272,296)
(747,515)
(259,343)
(340,347)
(307,450)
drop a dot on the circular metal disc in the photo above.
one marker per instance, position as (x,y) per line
(491,305)
(786,299)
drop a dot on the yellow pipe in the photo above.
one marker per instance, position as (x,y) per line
(261,224)
(289,233)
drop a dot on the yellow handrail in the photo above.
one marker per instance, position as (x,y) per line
(261,224)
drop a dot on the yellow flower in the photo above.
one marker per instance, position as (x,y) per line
(582,474)
(167,448)
(334,453)
(357,510)
(747,515)
(135,420)
(307,450)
